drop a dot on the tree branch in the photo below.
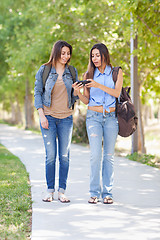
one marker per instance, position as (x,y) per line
(152,70)
(144,79)
(154,34)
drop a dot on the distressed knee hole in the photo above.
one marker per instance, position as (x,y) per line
(64,155)
(93,135)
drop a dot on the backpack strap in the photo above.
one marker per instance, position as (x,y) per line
(46,72)
(73,73)
(115,72)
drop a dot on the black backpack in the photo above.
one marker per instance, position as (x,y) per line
(125,110)
(47,70)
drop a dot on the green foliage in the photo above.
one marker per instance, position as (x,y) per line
(29,29)
(146,19)
(79,130)
(15,197)
(147,159)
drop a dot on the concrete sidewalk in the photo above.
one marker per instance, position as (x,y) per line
(135,214)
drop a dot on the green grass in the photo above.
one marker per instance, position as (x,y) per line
(15,198)
(5,122)
(148,159)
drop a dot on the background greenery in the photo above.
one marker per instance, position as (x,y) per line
(28,30)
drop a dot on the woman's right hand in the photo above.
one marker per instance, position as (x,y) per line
(77,88)
(44,122)
(43,119)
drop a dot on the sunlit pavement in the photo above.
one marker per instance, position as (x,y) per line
(135,214)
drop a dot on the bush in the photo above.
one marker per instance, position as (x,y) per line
(79,130)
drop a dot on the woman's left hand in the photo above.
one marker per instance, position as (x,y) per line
(92,84)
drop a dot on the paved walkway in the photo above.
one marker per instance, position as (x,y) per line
(135,214)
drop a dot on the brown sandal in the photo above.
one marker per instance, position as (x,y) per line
(107,200)
(62,198)
(48,198)
(93,200)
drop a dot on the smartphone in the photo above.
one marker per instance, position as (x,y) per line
(83,82)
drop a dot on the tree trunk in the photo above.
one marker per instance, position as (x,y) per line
(146,115)
(13,112)
(29,109)
(18,113)
(141,141)
(158,112)
(134,88)
(151,112)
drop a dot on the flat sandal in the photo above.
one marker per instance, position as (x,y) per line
(107,200)
(62,198)
(48,198)
(93,200)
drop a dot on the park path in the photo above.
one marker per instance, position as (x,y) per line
(135,214)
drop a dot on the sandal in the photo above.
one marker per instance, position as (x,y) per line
(107,200)
(48,198)
(93,200)
(62,198)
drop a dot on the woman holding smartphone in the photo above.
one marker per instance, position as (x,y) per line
(102,125)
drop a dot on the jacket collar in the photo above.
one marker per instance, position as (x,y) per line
(53,70)
(66,70)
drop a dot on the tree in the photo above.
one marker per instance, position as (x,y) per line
(29,29)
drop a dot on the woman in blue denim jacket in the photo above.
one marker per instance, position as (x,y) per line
(100,94)
(54,102)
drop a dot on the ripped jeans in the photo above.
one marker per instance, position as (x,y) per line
(62,129)
(101,127)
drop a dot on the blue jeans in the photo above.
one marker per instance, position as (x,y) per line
(98,127)
(61,128)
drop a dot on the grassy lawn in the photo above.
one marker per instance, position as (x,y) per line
(15,198)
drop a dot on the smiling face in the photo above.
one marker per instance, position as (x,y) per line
(65,55)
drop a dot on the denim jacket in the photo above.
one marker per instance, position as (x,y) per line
(43,97)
